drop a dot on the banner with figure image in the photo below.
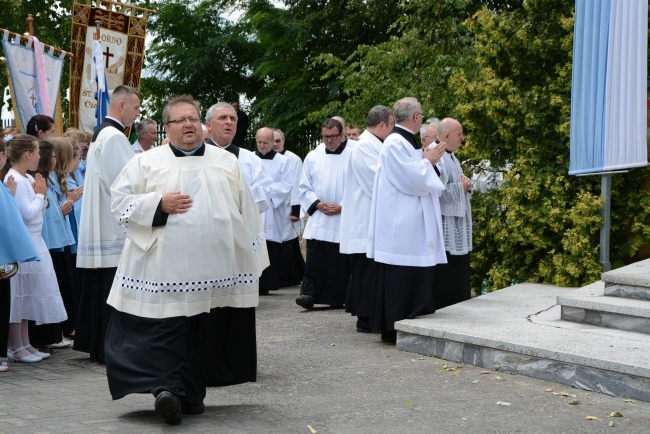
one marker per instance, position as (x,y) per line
(34,77)
(121,35)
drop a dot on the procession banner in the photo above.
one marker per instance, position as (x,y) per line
(34,80)
(608,91)
(121,35)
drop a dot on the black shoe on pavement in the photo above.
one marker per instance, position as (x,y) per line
(192,409)
(168,407)
(305,301)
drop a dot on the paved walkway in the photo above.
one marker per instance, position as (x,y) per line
(316,374)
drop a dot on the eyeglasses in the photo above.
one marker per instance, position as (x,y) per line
(182,121)
(331,137)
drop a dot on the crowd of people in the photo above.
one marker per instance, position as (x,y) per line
(152,259)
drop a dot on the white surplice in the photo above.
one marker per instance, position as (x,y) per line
(278,193)
(211,256)
(455,207)
(323,178)
(291,229)
(100,238)
(256,177)
(357,196)
(405,226)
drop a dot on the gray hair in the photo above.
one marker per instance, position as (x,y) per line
(220,104)
(377,115)
(279,131)
(406,108)
(433,121)
(142,126)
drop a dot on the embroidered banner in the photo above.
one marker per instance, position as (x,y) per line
(30,97)
(608,91)
(121,35)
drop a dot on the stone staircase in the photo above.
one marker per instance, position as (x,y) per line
(623,303)
(594,338)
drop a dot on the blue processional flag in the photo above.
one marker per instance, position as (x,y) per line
(609,86)
(99,78)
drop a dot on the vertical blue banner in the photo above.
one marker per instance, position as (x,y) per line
(608,92)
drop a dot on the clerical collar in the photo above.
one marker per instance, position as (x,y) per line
(268,156)
(233,149)
(407,134)
(197,152)
(117,121)
(378,138)
(338,150)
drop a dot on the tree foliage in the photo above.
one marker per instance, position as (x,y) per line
(196,50)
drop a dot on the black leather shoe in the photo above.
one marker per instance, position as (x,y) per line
(168,407)
(192,409)
(305,301)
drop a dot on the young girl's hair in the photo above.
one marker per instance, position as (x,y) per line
(6,132)
(75,134)
(63,148)
(45,162)
(16,147)
(38,123)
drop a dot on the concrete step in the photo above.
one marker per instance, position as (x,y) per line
(518,330)
(631,281)
(590,305)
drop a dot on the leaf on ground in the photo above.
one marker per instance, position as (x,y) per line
(574,402)
(312,430)
(420,358)
(412,360)
(409,403)
(612,423)
(333,345)
(485,372)
(502,403)
(592,418)
(475,381)
(550,389)
(631,402)
(616,414)
(498,378)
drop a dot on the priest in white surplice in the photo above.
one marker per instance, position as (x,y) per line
(230,327)
(278,168)
(327,270)
(291,265)
(100,238)
(357,197)
(221,121)
(405,229)
(452,280)
(195,243)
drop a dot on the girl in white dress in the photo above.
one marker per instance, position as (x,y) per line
(34,290)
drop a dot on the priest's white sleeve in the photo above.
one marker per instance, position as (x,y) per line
(133,207)
(281,187)
(414,178)
(248,207)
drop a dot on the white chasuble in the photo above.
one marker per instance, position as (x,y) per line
(279,170)
(210,256)
(405,226)
(357,196)
(323,178)
(455,207)
(100,238)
